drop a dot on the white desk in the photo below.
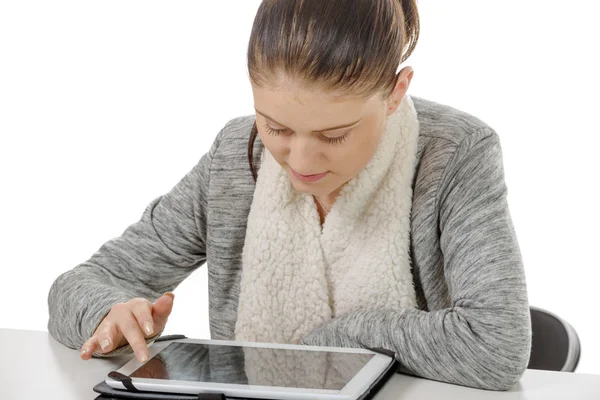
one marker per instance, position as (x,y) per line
(53,371)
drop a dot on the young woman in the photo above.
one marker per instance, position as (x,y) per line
(343,213)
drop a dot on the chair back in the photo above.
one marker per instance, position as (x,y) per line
(555,344)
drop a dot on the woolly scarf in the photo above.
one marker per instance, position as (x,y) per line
(298,275)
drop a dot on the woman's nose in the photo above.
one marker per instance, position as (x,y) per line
(303,154)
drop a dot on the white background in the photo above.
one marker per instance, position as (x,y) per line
(106,105)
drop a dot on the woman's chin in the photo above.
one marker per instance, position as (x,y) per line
(301,186)
(304,187)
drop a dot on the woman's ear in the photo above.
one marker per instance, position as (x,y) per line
(402,84)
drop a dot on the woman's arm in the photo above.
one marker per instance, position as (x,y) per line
(152,256)
(484,339)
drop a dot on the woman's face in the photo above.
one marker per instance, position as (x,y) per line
(301,128)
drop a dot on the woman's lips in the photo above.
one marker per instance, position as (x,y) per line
(309,178)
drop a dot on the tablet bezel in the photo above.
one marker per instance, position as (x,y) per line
(353,389)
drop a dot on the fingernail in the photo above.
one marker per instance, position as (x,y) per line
(104,344)
(171,295)
(83,351)
(143,357)
(148,328)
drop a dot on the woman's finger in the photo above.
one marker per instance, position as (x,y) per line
(108,334)
(161,309)
(130,328)
(142,311)
(89,348)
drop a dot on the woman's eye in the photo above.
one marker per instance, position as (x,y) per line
(272,131)
(335,140)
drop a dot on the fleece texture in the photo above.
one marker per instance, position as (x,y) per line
(472,324)
(297,276)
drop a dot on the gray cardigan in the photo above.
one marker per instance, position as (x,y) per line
(472,327)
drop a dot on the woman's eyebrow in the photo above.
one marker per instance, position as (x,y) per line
(321,130)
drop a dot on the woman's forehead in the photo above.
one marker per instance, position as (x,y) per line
(284,100)
(316,117)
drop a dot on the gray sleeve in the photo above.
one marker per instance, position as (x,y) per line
(152,256)
(484,339)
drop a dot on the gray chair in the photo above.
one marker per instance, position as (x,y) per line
(555,345)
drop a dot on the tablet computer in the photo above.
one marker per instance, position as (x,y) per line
(255,370)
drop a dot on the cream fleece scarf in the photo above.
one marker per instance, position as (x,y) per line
(297,276)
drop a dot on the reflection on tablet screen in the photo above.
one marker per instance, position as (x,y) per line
(253,366)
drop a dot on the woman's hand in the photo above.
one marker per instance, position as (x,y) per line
(131,322)
(335,333)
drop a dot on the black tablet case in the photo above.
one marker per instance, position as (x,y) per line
(109,393)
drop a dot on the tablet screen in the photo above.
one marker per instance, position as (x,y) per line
(215,363)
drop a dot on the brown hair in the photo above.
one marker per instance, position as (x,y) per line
(351,47)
